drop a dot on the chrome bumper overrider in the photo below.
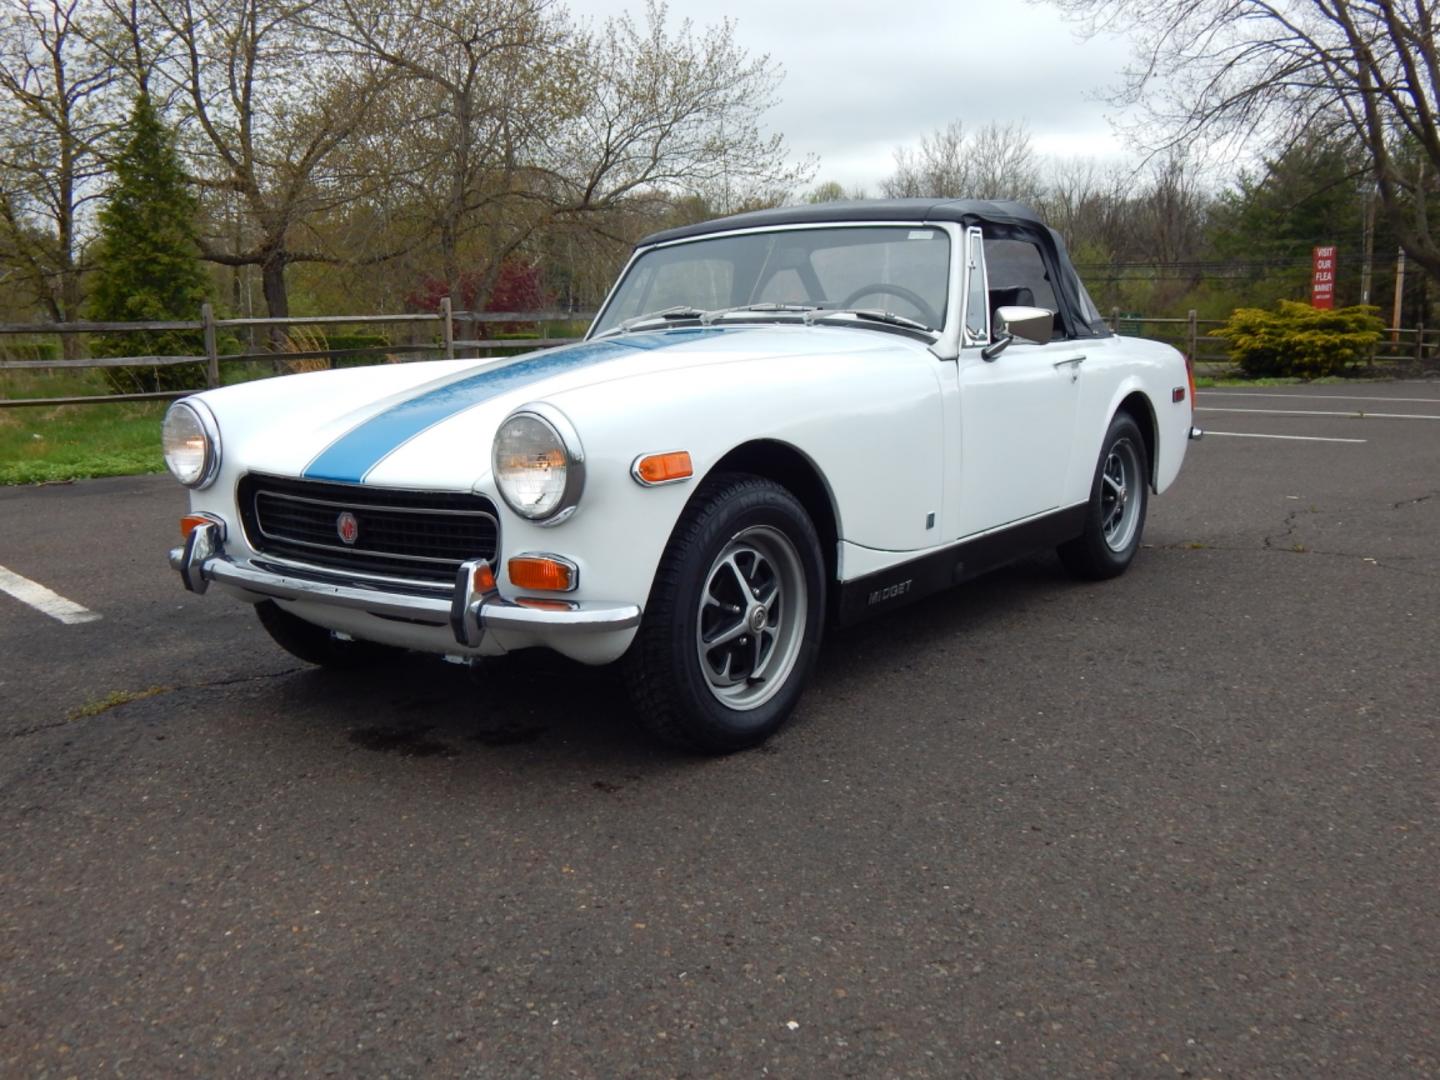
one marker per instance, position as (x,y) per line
(468,611)
(1196,433)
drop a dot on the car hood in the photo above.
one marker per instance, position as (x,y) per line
(430,425)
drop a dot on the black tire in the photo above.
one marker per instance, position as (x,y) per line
(1115,519)
(316,645)
(746,545)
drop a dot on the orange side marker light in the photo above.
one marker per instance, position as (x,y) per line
(666,468)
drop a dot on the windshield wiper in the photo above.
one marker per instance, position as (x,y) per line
(664,315)
(767,307)
(889,318)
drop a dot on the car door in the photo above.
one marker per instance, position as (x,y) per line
(1017,410)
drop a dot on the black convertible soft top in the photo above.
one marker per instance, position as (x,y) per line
(997,218)
(965,211)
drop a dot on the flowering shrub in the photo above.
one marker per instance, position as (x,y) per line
(1297,339)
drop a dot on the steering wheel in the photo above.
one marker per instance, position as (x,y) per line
(927,313)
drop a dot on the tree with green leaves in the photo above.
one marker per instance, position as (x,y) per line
(147,258)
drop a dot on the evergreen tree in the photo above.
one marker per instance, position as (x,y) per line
(147,258)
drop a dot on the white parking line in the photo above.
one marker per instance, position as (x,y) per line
(43,600)
(1315,397)
(1316,412)
(1294,438)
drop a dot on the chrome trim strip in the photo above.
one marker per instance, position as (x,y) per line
(344,577)
(486,612)
(345,505)
(584,619)
(339,550)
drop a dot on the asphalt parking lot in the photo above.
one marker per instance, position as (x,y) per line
(1183,823)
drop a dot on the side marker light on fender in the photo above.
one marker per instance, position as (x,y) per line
(651,470)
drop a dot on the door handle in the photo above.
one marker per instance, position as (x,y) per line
(1073,363)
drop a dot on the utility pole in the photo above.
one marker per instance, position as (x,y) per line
(1399,292)
(1369,256)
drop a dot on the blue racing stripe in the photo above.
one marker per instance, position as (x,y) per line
(351,457)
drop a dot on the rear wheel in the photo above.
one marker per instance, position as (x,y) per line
(316,645)
(1119,495)
(734,618)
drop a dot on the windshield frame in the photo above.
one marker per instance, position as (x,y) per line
(947,342)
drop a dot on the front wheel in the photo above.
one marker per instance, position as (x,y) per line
(1115,518)
(733,622)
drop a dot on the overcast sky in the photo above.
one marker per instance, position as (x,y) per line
(863,78)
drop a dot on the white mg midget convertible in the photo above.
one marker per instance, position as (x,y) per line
(778,421)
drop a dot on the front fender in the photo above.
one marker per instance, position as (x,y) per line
(872,431)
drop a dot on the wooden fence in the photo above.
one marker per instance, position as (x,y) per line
(456,334)
(1415,346)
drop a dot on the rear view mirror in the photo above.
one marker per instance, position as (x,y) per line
(1030,323)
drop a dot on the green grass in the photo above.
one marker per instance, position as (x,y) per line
(70,442)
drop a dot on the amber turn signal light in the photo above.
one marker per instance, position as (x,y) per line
(484,578)
(543,572)
(190,522)
(663,468)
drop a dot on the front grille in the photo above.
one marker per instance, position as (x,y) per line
(411,535)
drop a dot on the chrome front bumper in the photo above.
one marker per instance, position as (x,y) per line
(468,610)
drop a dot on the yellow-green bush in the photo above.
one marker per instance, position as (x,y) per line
(1298,340)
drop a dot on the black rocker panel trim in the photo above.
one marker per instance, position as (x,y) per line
(896,586)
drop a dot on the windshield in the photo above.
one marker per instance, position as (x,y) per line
(897,269)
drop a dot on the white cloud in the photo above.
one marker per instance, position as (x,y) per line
(861,79)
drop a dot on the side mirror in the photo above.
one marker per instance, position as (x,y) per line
(1030,323)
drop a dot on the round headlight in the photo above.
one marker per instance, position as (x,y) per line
(191,440)
(539,465)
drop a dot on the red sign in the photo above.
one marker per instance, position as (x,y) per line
(1322,280)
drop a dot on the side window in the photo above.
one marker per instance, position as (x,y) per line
(1017,276)
(977,300)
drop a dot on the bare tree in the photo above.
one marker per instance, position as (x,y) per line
(474,89)
(668,113)
(269,108)
(53,119)
(940,167)
(506,125)
(997,162)
(1089,203)
(1276,70)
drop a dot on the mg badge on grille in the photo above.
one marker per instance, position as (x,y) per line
(347,526)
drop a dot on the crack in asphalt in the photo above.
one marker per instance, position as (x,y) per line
(1276,541)
(70,721)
